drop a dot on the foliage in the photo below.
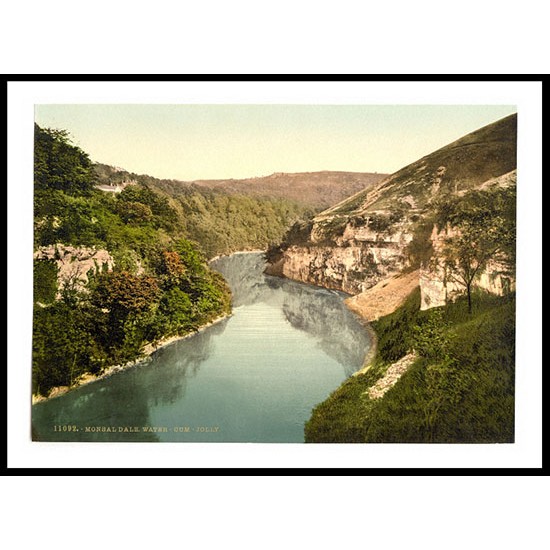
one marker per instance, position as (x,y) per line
(60,165)
(331,228)
(44,281)
(134,212)
(298,234)
(157,207)
(459,390)
(175,312)
(161,285)
(395,331)
(64,345)
(123,293)
(480,227)
(381,223)
(172,267)
(222,223)
(430,337)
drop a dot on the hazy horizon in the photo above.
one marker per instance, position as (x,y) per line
(192,142)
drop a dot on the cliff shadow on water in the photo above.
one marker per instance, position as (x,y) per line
(318,312)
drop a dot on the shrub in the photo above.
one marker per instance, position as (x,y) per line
(45,281)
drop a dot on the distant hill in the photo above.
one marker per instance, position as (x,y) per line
(316,190)
(224,216)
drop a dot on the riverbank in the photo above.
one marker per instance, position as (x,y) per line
(457,388)
(373,337)
(148,350)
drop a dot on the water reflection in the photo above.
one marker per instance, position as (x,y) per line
(115,402)
(318,312)
(254,376)
(244,273)
(125,399)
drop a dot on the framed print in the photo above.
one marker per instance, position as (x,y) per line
(323,276)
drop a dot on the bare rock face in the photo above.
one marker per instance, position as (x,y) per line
(353,268)
(349,254)
(392,376)
(74,263)
(436,289)
(363,241)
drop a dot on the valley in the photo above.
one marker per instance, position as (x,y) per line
(426,256)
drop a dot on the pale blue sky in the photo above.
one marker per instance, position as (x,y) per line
(190,142)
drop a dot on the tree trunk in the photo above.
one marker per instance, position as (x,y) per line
(469,292)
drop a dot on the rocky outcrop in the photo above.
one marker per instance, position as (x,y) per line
(363,241)
(74,263)
(353,260)
(437,288)
(393,374)
(352,269)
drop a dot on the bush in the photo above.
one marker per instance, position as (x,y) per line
(44,281)
(134,212)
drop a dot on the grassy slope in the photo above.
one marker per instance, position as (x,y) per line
(469,400)
(406,196)
(486,153)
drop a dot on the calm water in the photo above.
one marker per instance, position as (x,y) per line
(253,377)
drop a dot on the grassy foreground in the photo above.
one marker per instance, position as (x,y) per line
(460,389)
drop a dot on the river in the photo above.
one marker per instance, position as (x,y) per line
(253,377)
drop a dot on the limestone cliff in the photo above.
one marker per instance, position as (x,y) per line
(74,263)
(437,288)
(365,239)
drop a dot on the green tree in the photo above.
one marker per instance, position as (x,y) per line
(45,281)
(172,267)
(63,346)
(134,212)
(127,303)
(58,164)
(481,227)
(123,293)
(175,313)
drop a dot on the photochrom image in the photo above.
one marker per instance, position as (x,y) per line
(274,273)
